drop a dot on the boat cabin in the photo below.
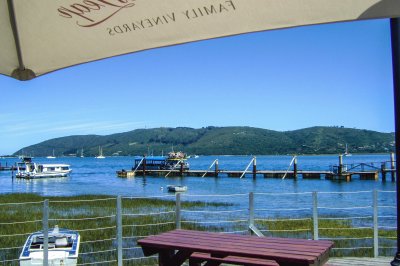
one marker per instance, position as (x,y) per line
(159,163)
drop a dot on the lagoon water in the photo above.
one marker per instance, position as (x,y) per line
(98,176)
(273,196)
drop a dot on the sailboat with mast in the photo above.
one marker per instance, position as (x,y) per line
(51,157)
(346,153)
(100,156)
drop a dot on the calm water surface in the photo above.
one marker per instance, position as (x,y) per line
(98,176)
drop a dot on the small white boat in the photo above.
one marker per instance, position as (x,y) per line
(346,153)
(173,188)
(29,170)
(100,156)
(63,248)
(51,156)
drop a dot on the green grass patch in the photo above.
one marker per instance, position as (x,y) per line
(349,240)
(94,216)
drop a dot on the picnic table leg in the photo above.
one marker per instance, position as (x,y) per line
(197,262)
(194,263)
(212,263)
(170,258)
(165,258)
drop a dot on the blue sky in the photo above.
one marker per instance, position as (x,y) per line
(326,75)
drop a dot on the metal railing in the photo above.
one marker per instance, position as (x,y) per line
(110,227)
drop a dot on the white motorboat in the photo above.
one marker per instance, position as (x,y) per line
(174,188)
(29,170)
(63,248)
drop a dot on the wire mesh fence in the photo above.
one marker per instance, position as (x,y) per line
(110,226)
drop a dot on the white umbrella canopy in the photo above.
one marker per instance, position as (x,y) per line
(40,36)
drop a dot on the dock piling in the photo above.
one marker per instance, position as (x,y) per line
(254,167)
(340,168)
(383,171)
(216,168)
(392,167)
(181,170)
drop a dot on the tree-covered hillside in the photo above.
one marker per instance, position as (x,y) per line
(219,140)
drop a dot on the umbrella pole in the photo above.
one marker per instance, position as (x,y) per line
(395,36)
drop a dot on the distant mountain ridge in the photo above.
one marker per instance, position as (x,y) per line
(219,141)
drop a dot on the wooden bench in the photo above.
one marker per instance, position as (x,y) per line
(197,258)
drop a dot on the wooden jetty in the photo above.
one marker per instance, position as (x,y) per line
(8,168)
(340,172)
(347,176)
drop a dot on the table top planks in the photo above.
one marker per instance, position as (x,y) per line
(284,250)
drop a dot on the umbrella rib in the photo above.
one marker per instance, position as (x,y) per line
(13,21)
(21,72)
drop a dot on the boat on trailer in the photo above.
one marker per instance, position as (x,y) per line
(63,248)
(30,170)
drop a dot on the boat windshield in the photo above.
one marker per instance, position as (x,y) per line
(62,241)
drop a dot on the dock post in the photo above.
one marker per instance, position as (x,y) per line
(392,162)
(340,169)
(144,167)
(119,230)
(46,232)
(181,170)
(254,167)
(383,170)
(295,168)
(216,168)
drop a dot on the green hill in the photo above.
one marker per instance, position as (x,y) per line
(218,141)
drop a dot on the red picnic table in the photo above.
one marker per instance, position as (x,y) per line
(175,247)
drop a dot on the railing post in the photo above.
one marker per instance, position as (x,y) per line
(315,214)
(119,230)
(395,41)
(375,217)
(46,232)
(251,211)
(178,211)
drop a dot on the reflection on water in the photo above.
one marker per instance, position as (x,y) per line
(92,176)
